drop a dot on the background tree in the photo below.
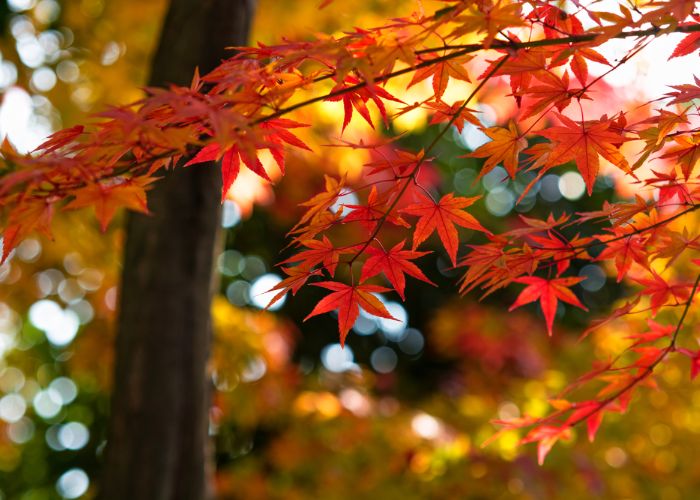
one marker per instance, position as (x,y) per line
(158,444)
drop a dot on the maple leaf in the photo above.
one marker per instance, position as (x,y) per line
(590,411)
(584,142)
(657,331)
(400,163)
(673,244)
(320,251)
(661,292)
(686,153)
(505,146)
(443,216)
(625,251)
(356,98)
(455,113)
(230,164)
(59,139)
(546,436)
(107,196)
(321,202)
(671,187)
(488,17)
(394,264)
(441,73)
(694,361)
(275,135)
(688,45)
(348,299)
(481,261)
(30,215)
(548,292)
(556,22)
(370,214)
(554,91)
(685,92)
(560,250)
(296,278)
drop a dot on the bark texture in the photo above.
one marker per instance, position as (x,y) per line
(158,446)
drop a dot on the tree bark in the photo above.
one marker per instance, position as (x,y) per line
(157,447)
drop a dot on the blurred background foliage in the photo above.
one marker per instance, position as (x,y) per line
(403,410)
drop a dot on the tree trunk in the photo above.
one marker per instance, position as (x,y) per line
(158,445)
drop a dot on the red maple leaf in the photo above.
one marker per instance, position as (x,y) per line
(548,292)
(368,215)
(625,251)
(354,96)
(661,292)
(348,299)
(319,251)
(394,264)
(585,142)
(443,216)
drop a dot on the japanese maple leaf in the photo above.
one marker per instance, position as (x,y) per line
(274,135)
(394,263)
(549,293)
(454,113)
(30,215)
(319,251)
(320,203)
(694,361)
(356,98)
(625,251)
(441,73)
(368,215)
(585,142)
(59,139)
(686,153)
(400,163)
(230,164)
(657,331)
(556,22)
(107,196)
(685,93)
(688,45)
(554,91)
(505,146)
(491,19)
(669,186)
(674,243)
(546,436)
(561,251)
(443,216)
(296,278)
(661,292)
(348,299)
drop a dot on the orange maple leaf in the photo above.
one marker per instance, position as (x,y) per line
(584,142)
(441,73)
(505,146)
(443,216)
(108,196)
(686,153)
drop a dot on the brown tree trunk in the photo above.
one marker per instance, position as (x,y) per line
(158,446)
